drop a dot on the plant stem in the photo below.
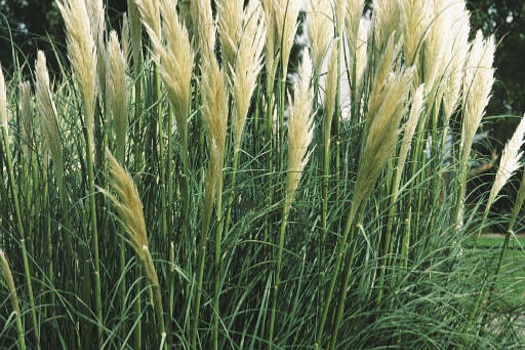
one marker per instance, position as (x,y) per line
(278,266)
(347,272)
(341,243)
(21,232)
(218,270)
(94,230)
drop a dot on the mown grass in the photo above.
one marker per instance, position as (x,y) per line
(246,211)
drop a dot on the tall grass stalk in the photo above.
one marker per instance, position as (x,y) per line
(8,276)
(300,134)
(220,158)
(16,200)
(129,207)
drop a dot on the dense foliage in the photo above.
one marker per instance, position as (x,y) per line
(173,186)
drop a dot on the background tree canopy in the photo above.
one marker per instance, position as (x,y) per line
(34,24)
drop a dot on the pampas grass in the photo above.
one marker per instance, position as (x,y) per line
(16,199)
(320,30)
(82,54)
(8,277)
(417,17)
(300,134)
(510,162)
(215,116)
(49,122)
(230,24)
(355,247)
(131,215)
(248,64)
(83,57)
(26,111)
(117,93)
(477,84)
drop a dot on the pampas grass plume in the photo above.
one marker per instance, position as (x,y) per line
(26,111)
(332,76)
(409,129)
(8,277)
(247,68)
(176,66)
(202,16)
(131,215)
(416,19)
(82,54)
(354,15)
(300,129)
(382,132)
(319,22)
(477,85)
(458,56)
(117,92)
(230,22)
(510,160)
(286,14)
(150,14)
(48,113)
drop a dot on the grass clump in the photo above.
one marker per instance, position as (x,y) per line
(336,201)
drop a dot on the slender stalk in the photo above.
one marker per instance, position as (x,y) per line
(94,231)
(218,271)
(21,232)
(232,193)
(512,222)
(347,272)
(8,276)
(341,243)
(278,267)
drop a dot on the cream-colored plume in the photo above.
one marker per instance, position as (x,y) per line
(286,14)
(440,57)
(150,14)
(49,115)
(386,17)
(82,54)
(271,53)
(202,18)
(215,116)
(319,21)
(358,59)
(126,37)
(176,66)
(416,19)
(458,56)
(300,129)
(96,15)
(26,111)
(281,22)
(247,68)
(354,18)
(117,93)
(131,216)
(230,25)
(9,280)
(410,127)
(386,64)
(332,76)
(510,160)
(382,132)
(477,85)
